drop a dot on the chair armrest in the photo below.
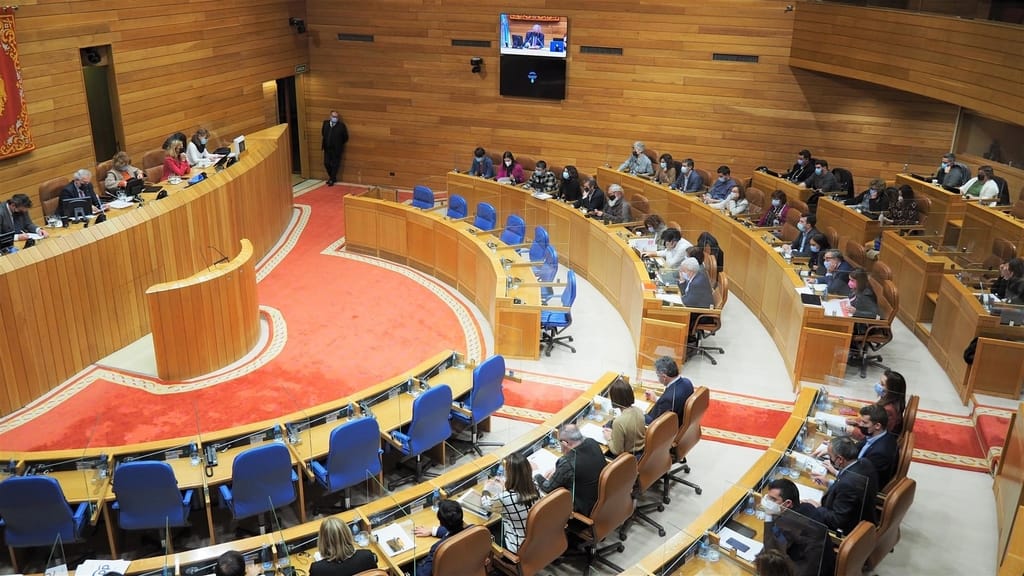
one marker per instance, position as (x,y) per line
(186,499)
(401,440)
(515,246)
(583,519)
(295,475)
(459,409)
(225,494)
(499,553)
(81,516)
(318,471)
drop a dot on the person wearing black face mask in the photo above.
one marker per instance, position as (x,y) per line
(638,163)
(879,446)
(850,498)
(616,209)
(982,186)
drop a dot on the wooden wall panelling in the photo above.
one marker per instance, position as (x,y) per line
(203,66)
(971,63)
(413,107)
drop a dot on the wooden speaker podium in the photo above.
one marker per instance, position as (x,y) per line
(206,321)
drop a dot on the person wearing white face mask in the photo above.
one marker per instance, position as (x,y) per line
(666,172)
(801,246)
(334,136)
(788,529)
(735,204)
(197,151)
(802,169)
(509,170)
(688,180)
(821,179)
(569,187)
(775,215)
(720,189)
(694,285)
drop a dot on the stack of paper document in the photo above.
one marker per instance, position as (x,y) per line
(542,195)
(543,461)
(643,244)
(808,493)
(833,421)
(119,204)
(746,548)
(591,430)
(393,539)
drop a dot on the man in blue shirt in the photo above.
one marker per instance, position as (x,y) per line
(482,165)
(721,188)
(880,447)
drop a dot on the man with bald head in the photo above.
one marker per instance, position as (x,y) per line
(578,470)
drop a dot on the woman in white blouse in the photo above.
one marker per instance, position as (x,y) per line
(982,186)
(735,203)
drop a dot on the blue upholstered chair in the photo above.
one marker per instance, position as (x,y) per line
(262,479)
(457,208)
(514,232)
(148,497)
(554,322)
(430,426)
(353,457)
(538,248)
(486,218)
(36,512)
(423,197)
(485,398)
(546,272)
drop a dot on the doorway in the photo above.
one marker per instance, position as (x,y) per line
(288,113)
(101,97)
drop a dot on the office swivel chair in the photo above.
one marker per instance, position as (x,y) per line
(614,507)
(653,468)
(545,537)
(708,324)
(262,479)
(148,497)
(485,398)
(486,219)
(877,333)
(430,426)
(423,198)
(538,247)
(897,503)
(49,195)
(555,320)
(546,273)
(464,553)
(353,457)
(36,512)
(514,232)
(855,549)
(457,209)
(689,435)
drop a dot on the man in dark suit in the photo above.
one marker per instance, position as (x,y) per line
(688,180)
(14,218)
(80,187)
(801,246)
(335,135)
(803,169)
(879,446)
(694,285)
(593,197)
(677,390)
(578,470)
(837,273)
(789,529)
(851,496)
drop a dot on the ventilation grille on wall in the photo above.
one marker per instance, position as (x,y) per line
(600,50)
(735,58)
(355,37)
(471,43)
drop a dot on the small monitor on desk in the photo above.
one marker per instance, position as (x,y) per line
(78,208)
(133,187)
(6,242)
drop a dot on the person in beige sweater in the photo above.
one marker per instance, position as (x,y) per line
(628,429)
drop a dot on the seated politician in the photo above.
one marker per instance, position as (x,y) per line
(837,273)
(534,38)
(721,187)
(626,432)
(510,171)
(482,165)
(121,171)
(802,169)
(675,249)
(688,180)
(197,150)
(850,496)
(694,285)
(578,470)
(665,174)
(736,204)
(569,188)
(542,179)
(81,187)
(593,199)
(677,390)
(789,529)
(616,208)
(801,245)
(450,520)
(638,163)
(14,218)
(822,179)
(175,159)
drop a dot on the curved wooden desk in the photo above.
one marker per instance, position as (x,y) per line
(206,321)
(810,343)
(72,300)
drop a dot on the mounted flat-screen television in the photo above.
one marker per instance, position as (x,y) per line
(533,55)
(534,35)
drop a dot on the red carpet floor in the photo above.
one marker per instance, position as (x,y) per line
(349,325)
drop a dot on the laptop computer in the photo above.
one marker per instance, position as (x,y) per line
(134,186)
(916,176)
(771,172)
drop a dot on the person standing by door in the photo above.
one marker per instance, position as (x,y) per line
(335,135)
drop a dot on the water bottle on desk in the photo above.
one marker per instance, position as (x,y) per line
(193,453)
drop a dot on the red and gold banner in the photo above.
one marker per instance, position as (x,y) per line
(15,137)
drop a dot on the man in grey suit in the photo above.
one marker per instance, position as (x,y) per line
(14,218)
(694,285)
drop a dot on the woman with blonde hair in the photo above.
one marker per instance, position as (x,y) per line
(176,162)
(338,553)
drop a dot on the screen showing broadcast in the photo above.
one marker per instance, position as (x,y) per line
(532,35)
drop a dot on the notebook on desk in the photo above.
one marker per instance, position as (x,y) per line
(771,172)
(915,176)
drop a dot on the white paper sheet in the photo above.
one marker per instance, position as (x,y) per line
(393,533)
(808,493)
(643,405)
(834,421)
(101,567)
(591,430)
(837,307)
(119,204)
(543,461)
(643,244)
